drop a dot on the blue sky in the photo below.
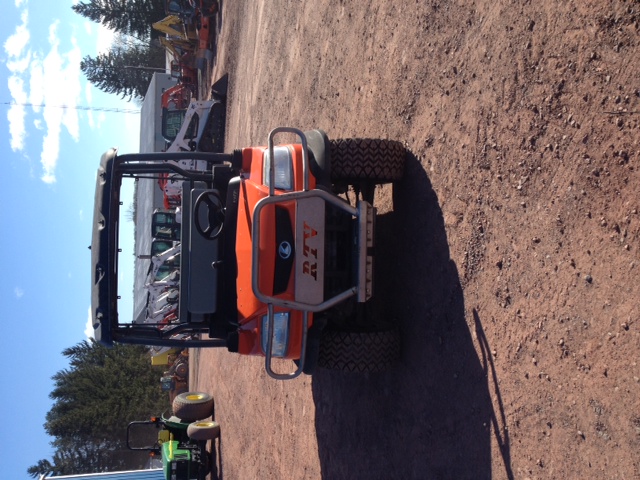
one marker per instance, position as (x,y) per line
(50,156)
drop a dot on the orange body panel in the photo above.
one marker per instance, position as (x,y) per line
(250,309)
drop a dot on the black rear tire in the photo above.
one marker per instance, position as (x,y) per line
(356,159)
(359,351)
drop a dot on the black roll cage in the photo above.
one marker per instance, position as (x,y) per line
(104,246)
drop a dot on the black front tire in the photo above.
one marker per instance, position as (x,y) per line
(375,160)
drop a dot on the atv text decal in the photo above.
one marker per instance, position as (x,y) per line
(309,279)
(308,267)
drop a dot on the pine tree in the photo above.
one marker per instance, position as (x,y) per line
(125,70)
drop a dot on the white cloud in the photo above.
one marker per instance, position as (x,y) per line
(88,328)
(17,63)
(17,113)
(16,43)
(20,2)
(19,292)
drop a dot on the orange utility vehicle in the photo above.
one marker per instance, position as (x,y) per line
(277,251)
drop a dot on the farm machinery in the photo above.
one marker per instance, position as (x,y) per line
(182,436)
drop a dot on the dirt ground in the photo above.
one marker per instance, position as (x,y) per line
(508,256)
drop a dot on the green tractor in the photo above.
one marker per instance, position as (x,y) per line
(182,437)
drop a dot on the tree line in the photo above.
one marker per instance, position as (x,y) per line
(95,398)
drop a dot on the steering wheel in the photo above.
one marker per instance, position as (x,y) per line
(215,214)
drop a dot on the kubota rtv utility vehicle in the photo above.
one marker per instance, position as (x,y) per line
(276,251)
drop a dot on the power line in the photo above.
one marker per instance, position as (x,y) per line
(76,107)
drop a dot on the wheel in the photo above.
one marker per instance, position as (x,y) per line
(192,406)
(203,430)
(356,159)
(212,139)
(359,351)
(182,370)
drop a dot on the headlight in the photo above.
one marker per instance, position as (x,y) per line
(283,168)
(280,334)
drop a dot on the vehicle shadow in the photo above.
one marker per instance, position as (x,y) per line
(215,460)
(431,416)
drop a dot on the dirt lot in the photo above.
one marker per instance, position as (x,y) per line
(508,256)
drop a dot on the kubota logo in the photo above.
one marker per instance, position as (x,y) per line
(284,250)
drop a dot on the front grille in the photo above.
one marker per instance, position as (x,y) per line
(284,253)
(339,251)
